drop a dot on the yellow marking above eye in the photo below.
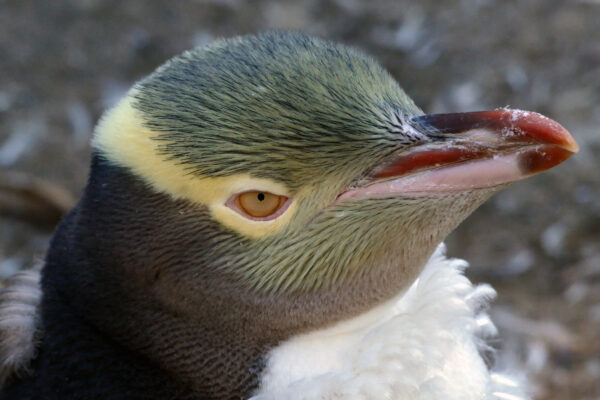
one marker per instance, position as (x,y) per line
(260,204)
(124,140)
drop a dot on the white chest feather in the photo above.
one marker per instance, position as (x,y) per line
(424,344)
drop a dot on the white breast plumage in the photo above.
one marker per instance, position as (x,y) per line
(424,344)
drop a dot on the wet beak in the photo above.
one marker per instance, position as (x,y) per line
(468,151)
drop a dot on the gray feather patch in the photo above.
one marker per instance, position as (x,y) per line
(19,323)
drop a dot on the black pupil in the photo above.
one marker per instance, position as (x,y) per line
(261,196)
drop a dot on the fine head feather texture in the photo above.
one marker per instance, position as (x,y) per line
(283,106)
(292,115)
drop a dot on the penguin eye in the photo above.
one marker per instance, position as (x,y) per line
(257,204)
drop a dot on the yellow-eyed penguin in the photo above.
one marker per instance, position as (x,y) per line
(261,221)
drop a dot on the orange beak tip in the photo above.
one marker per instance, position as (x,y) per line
(473,150)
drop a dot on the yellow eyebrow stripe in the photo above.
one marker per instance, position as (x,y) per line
(123,139)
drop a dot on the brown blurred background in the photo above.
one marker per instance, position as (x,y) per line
(63,62)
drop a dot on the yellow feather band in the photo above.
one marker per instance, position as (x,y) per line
(122,139)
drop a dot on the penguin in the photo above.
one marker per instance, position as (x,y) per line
(262,220)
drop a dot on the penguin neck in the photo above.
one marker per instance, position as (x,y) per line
(101,272)
(83,340)
(423,344)
(122,264)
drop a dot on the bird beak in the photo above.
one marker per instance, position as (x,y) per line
(465,151)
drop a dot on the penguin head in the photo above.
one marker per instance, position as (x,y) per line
(296,172)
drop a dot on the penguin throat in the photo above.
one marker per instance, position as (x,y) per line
(422,344)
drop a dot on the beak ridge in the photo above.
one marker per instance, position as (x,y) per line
(513,125)
(539,142)
(467,151)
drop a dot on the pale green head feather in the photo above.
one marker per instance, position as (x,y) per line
(284,106)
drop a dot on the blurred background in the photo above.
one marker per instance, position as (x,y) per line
(538,242)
